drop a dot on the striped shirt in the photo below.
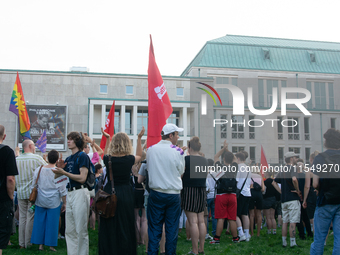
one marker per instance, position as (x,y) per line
(26,163)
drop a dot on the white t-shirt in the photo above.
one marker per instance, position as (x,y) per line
(242,174)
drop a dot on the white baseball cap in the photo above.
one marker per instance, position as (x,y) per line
(290,154)
(170,128)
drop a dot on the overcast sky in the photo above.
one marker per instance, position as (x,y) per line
(113,36)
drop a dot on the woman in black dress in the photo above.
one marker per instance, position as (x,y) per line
(117,235)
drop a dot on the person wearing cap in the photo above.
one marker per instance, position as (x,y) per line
(165,167)
(290,198)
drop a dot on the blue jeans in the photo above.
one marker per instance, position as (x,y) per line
(211,206)
(323,217)
(163,208)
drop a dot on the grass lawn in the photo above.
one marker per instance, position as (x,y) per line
(265,244)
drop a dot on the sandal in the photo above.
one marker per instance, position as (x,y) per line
(52,249)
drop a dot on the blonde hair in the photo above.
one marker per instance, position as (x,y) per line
(314,154)
(120,145)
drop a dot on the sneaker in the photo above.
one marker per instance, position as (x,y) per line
(248,238)
(201,252)
(284,244)
(243,238)
(215,241)
(236,240)
(191,252)
(208,237)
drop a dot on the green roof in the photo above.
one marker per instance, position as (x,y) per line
(248,52)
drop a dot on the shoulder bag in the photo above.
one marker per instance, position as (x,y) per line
(256,186)
(34,192)
(238,191)
(105,204)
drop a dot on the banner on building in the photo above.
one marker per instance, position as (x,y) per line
(53,119)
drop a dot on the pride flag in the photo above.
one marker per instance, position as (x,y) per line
(18,107)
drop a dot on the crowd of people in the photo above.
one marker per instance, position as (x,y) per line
(159,191)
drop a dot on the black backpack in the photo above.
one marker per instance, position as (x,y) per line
(90,182)
(331,185)
(226,185)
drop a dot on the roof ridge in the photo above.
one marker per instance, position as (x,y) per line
(274,46)
(277,38)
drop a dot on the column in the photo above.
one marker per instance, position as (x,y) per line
(90,124)
(122,118)
(185,125)
(134,126)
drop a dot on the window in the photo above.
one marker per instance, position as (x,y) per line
(281,155)
(266,53)
(265,91)
(251,128)
(224,92)
(236,149)
(223,127)
(174,118)
(320,95)
(332,123)
(261,93)
(180,92)
(331,96)
(310,102)
(103,89)
(311,56)
(293,132)
(129,90)
(279,129)
(128,121)
(270,85)
(237,128)
(117,121)
(320,99)
(296,150)
(306,124)
(252,154)
(307,155)
(142,120)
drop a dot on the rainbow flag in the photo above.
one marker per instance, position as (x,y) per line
(18,107)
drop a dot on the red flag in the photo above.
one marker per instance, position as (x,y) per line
(159,106)
(109,126)
(264,163)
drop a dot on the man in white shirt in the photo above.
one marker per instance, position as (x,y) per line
(26,163)
(165,166)
(243,183)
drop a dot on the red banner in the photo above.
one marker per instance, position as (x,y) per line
(264,162)
(109,126)
(159,107)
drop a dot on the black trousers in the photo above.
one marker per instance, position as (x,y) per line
(304,219)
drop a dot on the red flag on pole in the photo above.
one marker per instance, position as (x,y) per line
(159,106)
(264,163)
(109,126)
